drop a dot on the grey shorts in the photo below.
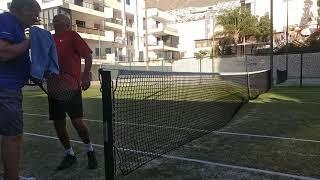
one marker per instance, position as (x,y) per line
(11,121)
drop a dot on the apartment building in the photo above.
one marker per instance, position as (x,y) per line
(110,27)
(126,23)
(163,40)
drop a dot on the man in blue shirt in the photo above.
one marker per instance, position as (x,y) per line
(14,72)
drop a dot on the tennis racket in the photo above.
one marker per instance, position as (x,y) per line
(62,87)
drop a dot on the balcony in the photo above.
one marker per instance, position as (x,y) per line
(161,30)
(130,29)
(160,15)
(161,46)
(94,34)
(92,7)
(114,23)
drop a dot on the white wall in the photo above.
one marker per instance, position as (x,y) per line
(3,5)
(189,32)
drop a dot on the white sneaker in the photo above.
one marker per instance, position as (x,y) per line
(26,178)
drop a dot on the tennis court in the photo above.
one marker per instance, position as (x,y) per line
(273,137)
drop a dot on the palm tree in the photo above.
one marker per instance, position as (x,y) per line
(238,23)
(200,55)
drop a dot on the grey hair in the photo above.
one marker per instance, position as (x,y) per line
(66,18)
(17,5)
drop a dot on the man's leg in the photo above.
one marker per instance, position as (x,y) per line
(75,112)
(82,129)
(10,153)
(58,115)
(62,133)
(83,133)
(11,126)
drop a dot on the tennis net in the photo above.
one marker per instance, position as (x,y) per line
(155,112)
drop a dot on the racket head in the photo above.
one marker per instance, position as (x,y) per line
(62,87)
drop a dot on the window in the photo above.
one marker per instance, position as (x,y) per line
(50,15)
(97,26)
(78,2)
(55,12)
(97,52)
(248,6)
(157,24)
(108,51)
(8,5)
(128,2)
(96,6)
(81,23)
(243,2)
(130,22)
(140,55)
(131,40)
(144,24)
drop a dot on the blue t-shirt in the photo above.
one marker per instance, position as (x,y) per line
(13,73)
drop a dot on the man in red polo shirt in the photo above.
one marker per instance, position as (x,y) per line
(71,48)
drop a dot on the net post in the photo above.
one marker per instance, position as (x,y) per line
(107,123)
(301,68)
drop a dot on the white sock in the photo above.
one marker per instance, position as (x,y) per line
(88,147)
(69,151)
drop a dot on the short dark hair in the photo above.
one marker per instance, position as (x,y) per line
(17,5)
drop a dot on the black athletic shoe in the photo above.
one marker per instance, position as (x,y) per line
(67,162)
(92,161)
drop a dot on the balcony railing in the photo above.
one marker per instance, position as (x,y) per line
(162,44)
(115,21)
(163,28)
(95,5)
(86,30)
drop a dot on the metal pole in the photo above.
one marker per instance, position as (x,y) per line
(213,41)
(271,43)
(287,37)
(137,21)
(107,123)
(301,68)
(244,45)
(248,77)
(147,35)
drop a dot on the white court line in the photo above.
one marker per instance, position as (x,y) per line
(205,131)
(273,173)
(43,115)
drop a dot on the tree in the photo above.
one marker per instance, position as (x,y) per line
(200,55)
(238,23)
(307,14)
(263,33)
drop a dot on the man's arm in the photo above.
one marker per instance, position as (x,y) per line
(86,78)
(10,51)
(88,63)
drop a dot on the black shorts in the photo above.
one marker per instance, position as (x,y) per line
(58,109)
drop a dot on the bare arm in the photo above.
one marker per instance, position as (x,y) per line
(86,78)
(88,64)
(10,51)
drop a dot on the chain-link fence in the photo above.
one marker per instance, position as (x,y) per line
(300,69)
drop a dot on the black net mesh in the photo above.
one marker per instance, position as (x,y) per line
(155,112)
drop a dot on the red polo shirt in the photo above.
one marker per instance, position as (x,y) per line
(71,48)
